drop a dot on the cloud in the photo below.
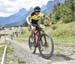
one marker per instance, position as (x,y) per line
(7,7)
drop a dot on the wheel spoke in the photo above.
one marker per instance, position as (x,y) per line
(47,46)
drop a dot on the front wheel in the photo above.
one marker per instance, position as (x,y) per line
(46,46)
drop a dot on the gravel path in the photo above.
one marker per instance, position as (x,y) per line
(22,51)
(26,55)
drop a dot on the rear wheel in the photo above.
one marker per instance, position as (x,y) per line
(46,46)
(31,44)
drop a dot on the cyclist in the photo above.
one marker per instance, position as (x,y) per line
(34,17)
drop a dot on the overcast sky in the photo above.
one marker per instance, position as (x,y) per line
(9,7)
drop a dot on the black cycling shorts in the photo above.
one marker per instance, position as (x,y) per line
(35,25)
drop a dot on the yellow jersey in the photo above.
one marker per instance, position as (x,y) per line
(35,18)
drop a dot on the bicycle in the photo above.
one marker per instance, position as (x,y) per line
(44,43)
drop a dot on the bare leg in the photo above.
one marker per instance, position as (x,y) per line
(36,35)
(33,30)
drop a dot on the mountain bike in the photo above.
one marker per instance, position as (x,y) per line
(44,43)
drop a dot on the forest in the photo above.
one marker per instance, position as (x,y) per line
(64,12)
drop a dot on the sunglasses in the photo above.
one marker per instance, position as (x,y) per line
(37,11)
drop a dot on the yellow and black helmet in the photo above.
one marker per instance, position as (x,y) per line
(37,9)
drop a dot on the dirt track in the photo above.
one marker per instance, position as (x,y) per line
(62,54)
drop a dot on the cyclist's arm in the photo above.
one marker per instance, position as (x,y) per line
(28,21)
(49,21)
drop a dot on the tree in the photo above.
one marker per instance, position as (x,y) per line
(68,11)
(64,11)
(57,12)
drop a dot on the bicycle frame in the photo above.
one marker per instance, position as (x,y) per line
(39,36)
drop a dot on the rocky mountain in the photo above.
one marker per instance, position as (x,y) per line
(19,18)
(15,19)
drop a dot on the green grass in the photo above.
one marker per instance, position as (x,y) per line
(1,50)
(64,34)
(11,59)
(64,31)
(25,35)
